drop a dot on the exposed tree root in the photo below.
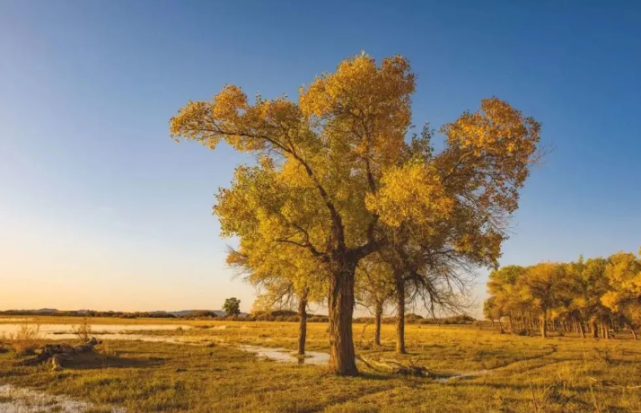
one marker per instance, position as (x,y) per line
(394,367)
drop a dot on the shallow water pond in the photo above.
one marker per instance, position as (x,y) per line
(23,400)
(286,356)
(101,331)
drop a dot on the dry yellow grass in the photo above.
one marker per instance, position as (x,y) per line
(510,373)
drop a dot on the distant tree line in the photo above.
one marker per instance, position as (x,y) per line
(91,313)
(593,297)
(262,315)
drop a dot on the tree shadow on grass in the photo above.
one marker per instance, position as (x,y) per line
(101,361)
(377,376)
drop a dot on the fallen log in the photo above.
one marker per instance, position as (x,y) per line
(55,353)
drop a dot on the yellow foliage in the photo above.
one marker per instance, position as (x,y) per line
(410,192)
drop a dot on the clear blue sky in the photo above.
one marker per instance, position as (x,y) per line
(100,209)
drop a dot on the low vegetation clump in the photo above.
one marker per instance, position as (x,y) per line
(26,340)
(83,330)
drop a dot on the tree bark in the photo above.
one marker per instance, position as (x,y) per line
(400,315)
(634,334)
(544,325)
(595,332)
(581,329)
(379,316)
(302,329)
(342,359)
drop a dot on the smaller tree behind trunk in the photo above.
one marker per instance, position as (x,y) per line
(302,330)
(379,315)
(400,314)
(375,286)
(544,324)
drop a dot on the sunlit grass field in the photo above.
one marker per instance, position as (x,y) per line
(507,373)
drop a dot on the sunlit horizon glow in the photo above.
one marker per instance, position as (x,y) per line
(101,210)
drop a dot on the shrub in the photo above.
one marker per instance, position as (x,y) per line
(263,316)
(283,313)
(26,340)
(82,330)
(413,318)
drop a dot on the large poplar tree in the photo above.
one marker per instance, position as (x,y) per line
(337,180)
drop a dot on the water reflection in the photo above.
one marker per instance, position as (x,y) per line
(286,356)
(102,331)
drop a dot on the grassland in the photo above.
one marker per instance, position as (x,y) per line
(509,373)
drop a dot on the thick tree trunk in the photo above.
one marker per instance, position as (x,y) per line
(342,359)
(379,316)
(400,315)
(302,329)
(595,332)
